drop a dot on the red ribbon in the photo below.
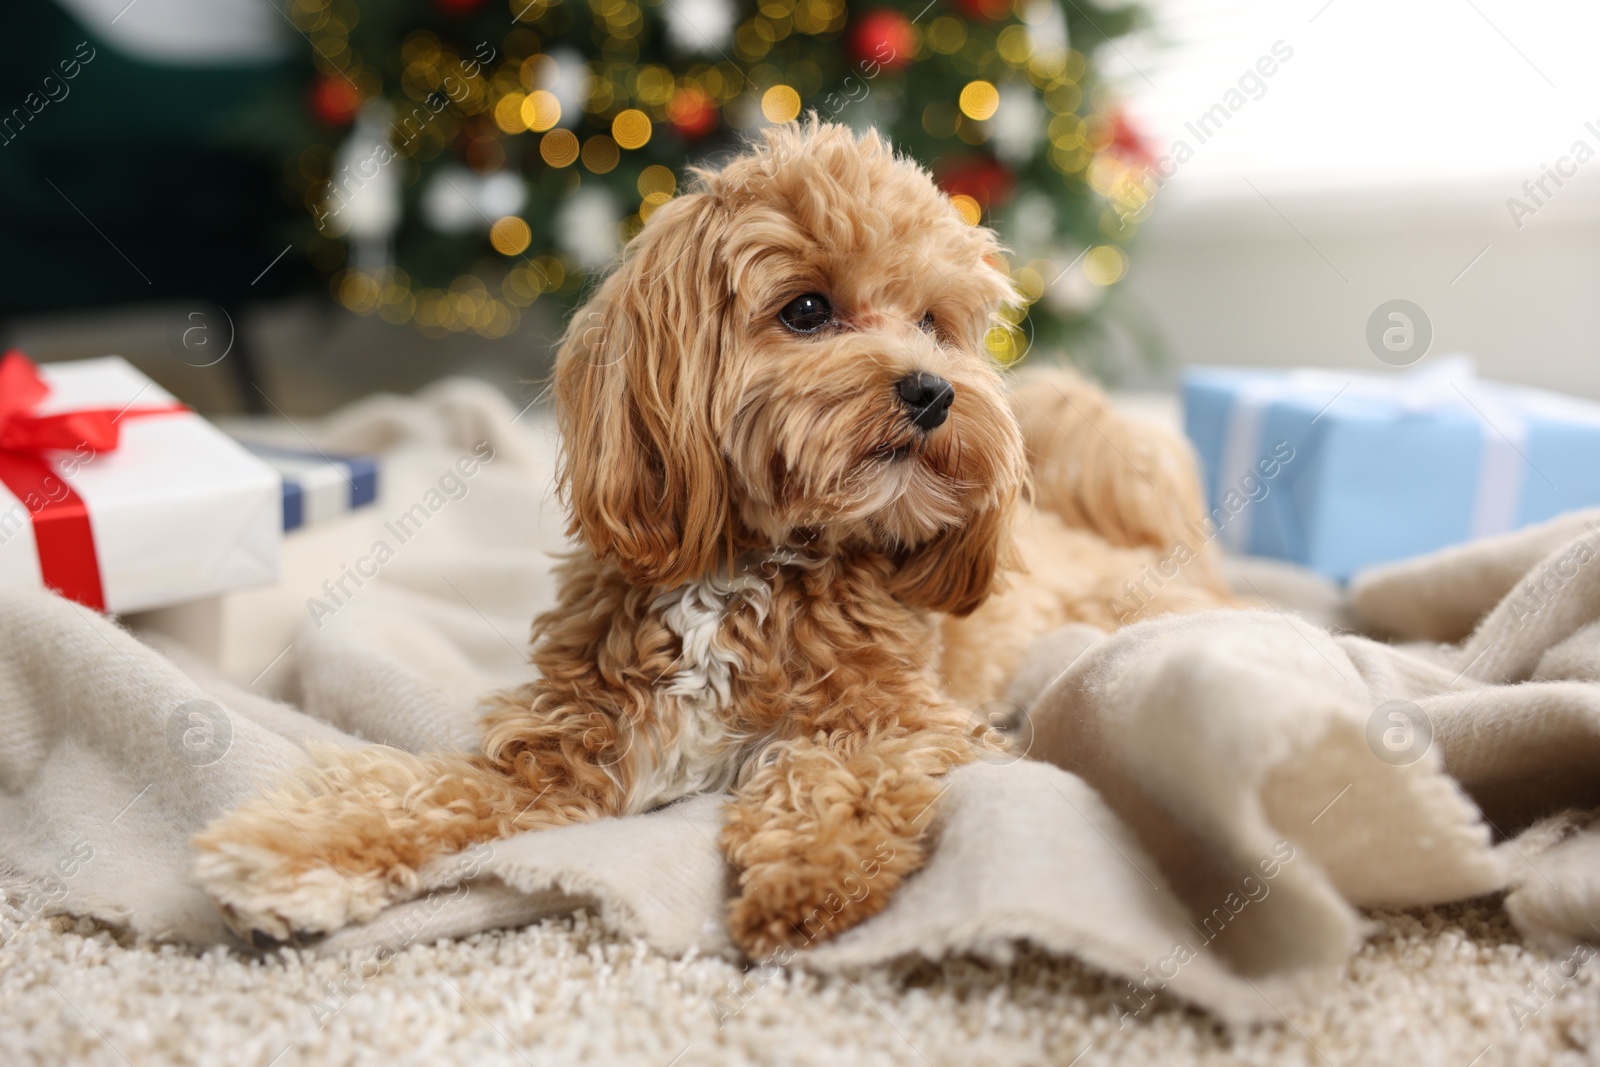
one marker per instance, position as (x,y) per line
(61,528)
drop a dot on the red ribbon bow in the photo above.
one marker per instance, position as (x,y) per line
(61,528)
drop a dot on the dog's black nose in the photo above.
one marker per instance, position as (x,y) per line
(927,398)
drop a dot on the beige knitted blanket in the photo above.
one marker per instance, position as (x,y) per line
(1209,800)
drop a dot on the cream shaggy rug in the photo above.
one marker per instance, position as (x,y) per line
(1450,986)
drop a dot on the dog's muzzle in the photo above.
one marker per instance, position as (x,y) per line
(926,398)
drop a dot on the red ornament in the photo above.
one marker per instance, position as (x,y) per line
(981,178)
(883,37)
(1128,141)
(992,10)
(458,7)
(334,100)
(692,112)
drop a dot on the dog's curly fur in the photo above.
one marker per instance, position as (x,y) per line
(786,587)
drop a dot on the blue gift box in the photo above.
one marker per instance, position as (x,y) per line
(1339,471)
(316,486)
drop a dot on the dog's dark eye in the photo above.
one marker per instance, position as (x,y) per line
(928,325)
(807,314)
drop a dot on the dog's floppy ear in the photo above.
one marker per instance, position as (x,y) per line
(959,568)
(640,466)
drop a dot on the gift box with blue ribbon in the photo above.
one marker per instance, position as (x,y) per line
(1339,470)
(317,486)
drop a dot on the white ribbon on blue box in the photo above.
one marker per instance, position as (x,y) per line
(316,486)
(1339,470)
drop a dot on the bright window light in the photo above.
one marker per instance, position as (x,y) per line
(1364,92)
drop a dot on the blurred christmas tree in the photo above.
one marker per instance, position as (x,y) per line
(459,160)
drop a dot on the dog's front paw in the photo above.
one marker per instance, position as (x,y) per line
(823,834)
(277,890)
(794,902)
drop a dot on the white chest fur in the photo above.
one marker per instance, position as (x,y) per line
(695,747)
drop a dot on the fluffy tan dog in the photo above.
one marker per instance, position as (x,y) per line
(797,481)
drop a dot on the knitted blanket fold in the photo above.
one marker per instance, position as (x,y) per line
(1206,804)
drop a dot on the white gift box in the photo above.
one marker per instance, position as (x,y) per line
(178,510)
